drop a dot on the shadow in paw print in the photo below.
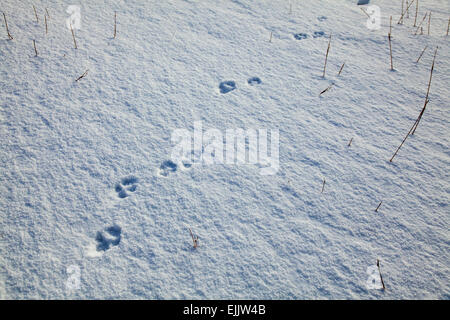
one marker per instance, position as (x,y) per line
(318,34)
(254,80)
(128,184)
(111,237)
(300,36)
(129,181)
(322,18)
(187,164)
(167,167)
(227,86)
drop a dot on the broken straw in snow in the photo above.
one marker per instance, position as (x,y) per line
(381,277)
(194,239)
(326,57)
(414,127)
(35,13)
(35,50)
(7,29)
(83,75)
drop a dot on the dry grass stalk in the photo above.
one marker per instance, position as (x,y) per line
(376,210)
(428,92)
(420,24)
(350,143)
(326,57)
(323,185)
(35,13)
(421,54)
(402,12)
(83,75)
(381,277)
(340,70)
(115,24)
(7,29)
(407,135)
(325,90)
(448,26)
(417,11)
(194,239)
(390,51)
(35,50)
(365,12)
(73,36)
(429,23)
(400,21)
(390,25)
(46,28)
(416,123)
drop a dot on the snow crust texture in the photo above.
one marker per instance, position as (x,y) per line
(87,179)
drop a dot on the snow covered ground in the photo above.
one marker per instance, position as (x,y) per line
(87,190)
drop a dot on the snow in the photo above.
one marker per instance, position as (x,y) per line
(80,157)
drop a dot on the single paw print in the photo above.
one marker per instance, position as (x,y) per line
(318,34)
(125,186)
(227,86)
(254,80)
(167,167)
(300,36)
(111,237)
(186,164)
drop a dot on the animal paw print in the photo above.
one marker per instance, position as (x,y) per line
(227,86)
(254,80)
(111,237)
(318,34)
(300,36)
(125,186)
(167,167)
(186,164)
